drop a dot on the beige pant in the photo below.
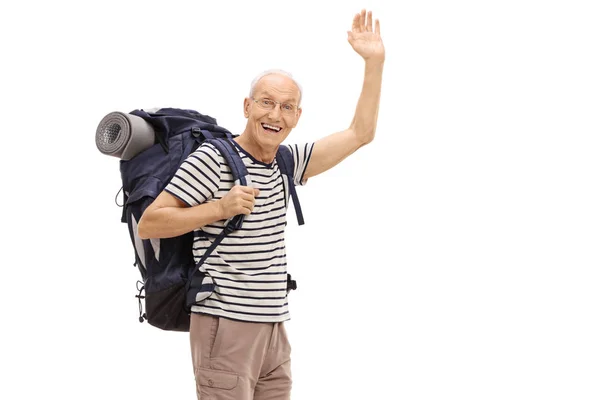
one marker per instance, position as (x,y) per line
(236,360)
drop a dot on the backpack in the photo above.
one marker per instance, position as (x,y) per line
(171,280)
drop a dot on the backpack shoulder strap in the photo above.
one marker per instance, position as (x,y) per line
(238,170)
(233,159)
(285,161)
(240,177)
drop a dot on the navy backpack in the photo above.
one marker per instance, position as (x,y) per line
(169,279)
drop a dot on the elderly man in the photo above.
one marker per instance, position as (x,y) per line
(238,340)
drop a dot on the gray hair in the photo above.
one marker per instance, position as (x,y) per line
(276,72)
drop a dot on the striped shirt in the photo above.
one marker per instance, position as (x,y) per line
(248,267)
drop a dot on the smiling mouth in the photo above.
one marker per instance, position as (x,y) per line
(271,128)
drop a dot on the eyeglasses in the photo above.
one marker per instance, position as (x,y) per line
(268,104)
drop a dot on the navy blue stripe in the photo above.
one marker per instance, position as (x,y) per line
(215,184)
(252,290)
(256,174)
(240,281)
(262,229)
(248,297)
(198,239)
(249,305)
(269,189)
(212,152)
(306,161)
(205,248)
(186,192)
(213,169)
(275,179)
(268,211)
(261,168)
(253,261)
(252,237)
(273,202)
(253,252)
(203,234)
(197,180)
(219,228)
(216,166)
(254,221)
(242,273)
(246,313)
(260,268)
(269,196)
(248,269)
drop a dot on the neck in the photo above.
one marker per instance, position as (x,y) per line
(266,155)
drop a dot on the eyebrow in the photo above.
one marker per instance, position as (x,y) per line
(268,95)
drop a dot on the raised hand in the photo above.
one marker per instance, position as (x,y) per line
(365,40)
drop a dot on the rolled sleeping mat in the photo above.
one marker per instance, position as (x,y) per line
(123,135)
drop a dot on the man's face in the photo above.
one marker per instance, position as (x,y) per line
(269,128)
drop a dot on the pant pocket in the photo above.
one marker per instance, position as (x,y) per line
(216,334)
(285,341)
(215,384)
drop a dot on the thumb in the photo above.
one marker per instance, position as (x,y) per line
(256,192)
(350,37)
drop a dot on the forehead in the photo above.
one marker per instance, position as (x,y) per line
(277,86)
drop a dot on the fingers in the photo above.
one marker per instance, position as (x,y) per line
(248,189)
(241,205)
(247,197)
(245,189)
(363,22)
(356,23)
(244,199)
(249,200)
(253,192)
(247,207)
(363,13)
(248,193)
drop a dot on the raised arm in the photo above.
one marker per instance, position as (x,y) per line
(332,149)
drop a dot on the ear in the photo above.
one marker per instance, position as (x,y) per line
(246,107)
(297,118)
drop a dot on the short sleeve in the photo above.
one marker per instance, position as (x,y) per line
(197,179)
(301,155)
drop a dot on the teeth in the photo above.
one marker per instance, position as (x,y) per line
(276,128)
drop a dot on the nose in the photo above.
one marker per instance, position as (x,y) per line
(275,113)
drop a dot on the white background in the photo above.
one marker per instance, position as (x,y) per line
(455,257)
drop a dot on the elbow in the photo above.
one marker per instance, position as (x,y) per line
(367,137)
(363,134)
(143,231)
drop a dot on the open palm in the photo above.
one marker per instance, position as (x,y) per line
(365,40)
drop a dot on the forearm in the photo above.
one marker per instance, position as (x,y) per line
(367,110)
(167,222)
